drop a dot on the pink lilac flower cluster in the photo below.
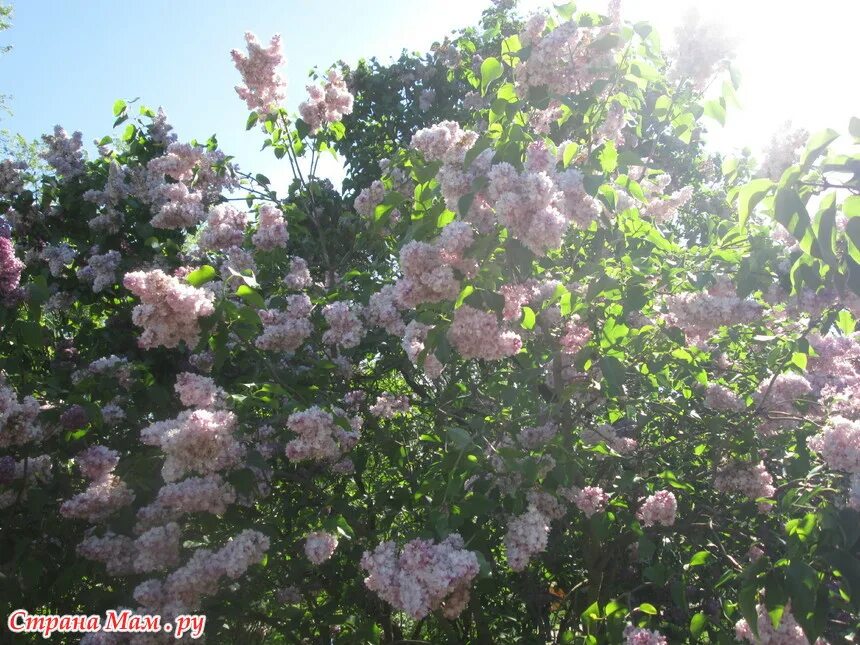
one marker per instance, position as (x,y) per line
(751,480)
(529,205)
(30,470)
(532,438)
(63,153)
(199,441)
(369,198)
(445,141)
(117,188)
(58,257)
(428,268)
(783,150)
(285,331)
(319,436)
(180,184)
(641,636)
(423,577)
(413,341)
(517,295)
(589,500)
(183,589)
(271,230)
(389,405)
(299,276)
(701,49)
(263,88)
(209,494)
(100,500)
(607,434)
(700,313)
(477,334)
(169,310)
(10,267)
(107,366)
(196,391)
(96,462)
(564,60)
(11,181)
(101,270)
(18,425)
(659,508)
(778,398)
(382,311)
(722,399)
(664,209)
(576,336)
(345,328)
(157,548)
(526,536)
(116,552)
(326,104)
(839,444)
(546,503)
(320,546)
(224,228)
(789,631)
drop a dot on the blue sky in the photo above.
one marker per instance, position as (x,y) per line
(73,58)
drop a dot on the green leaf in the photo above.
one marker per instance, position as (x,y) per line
(569,153)
(465,293)
(252,120)
(854,128)
(528,318)
(716,111)
(608,157)
(648,608)
(491,69)
(697,624)
(790,211)
(118,107)
(200,276)
(250,296)
(816,146)
(851,206)
(749,196)
(700,558)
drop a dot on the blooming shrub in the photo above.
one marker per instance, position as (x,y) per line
(542,372)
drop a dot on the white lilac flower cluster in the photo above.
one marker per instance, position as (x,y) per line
(101,269)
(423,577)
(18,425)
(63,153)
(389,405)
(58,257)
(320,546)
